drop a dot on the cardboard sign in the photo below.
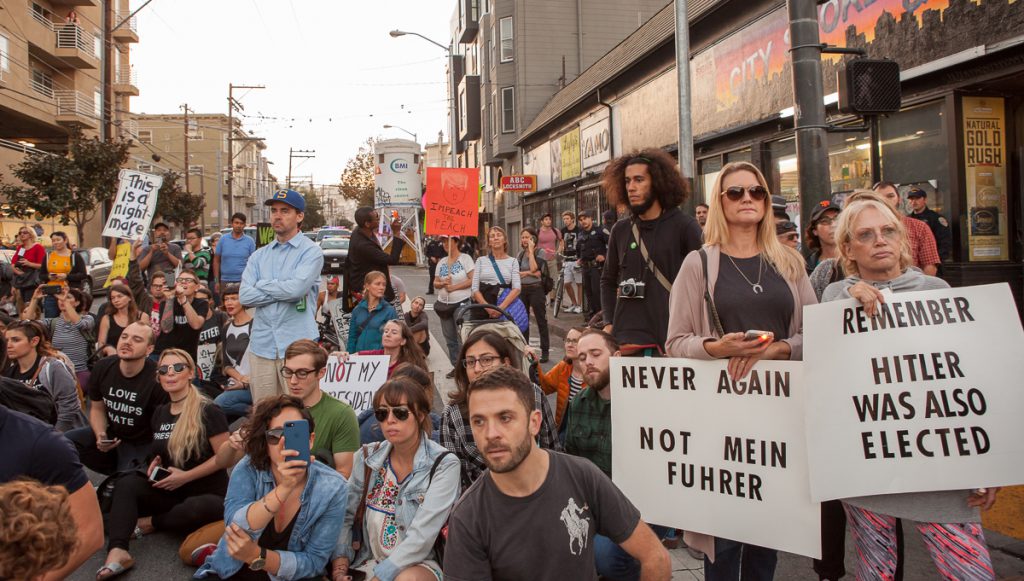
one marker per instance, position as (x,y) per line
(451,201)
(356,380)
(925,396)
(697,451)
(121,261)
(134,205)
(264,234)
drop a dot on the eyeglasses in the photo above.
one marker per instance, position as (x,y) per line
(870,236)
(825,222)
(188,280)
(757,193)
(166,369)
(274,436)
(790,236)
(571,341)
(288,372)
(401,413)
(485,361)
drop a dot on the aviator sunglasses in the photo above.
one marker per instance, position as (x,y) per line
(382,413)
(757,193)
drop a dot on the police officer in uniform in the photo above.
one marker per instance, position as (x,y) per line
(435,252)
(591,247)
(918,199)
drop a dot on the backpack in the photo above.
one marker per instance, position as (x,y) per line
(19,397)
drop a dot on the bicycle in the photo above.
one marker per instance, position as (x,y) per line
(560,289)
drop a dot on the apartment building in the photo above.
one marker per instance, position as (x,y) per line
(52,67)
(511,58)
(160,146)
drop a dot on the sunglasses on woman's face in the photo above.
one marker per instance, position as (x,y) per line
(757,193)
(166,369)
(382,413)
(274,436)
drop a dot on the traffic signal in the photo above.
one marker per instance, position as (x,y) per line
(869,86)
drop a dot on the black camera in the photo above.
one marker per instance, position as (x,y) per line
(631,289)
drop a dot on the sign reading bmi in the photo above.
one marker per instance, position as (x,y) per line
(398,174)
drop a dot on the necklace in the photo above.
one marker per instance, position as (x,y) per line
(179,400)
(755,286)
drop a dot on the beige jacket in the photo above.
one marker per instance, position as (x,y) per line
(689,327)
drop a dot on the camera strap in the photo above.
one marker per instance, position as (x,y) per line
(647,260)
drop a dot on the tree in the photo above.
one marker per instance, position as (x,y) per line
(345,223)
(313,217)
(174,204)
(357,178)
(70,187)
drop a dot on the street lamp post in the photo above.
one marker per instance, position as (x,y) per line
(451,103)
(414,138)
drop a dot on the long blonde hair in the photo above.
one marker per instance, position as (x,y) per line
(787,261)
(189,433)
(855,204)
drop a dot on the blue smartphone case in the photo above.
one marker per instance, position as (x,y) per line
(296,437)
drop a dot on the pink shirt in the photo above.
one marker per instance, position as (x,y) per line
(547,240)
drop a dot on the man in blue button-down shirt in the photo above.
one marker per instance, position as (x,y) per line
(280,282)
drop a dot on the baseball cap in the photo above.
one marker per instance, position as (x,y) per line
(586,213)
(778,204)
(609,215)
(822,207)
(784,228)
(290,197)
(917,193)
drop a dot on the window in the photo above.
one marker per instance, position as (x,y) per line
(97,45)
(463,114)
(506,39)
(494,55)
(97,104)
(5,64)
(508,110)
(42,83)
(145,136)
(145,167)
(494,113)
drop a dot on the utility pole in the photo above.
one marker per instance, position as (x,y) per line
(683,77)
(188,162)
(232,104)
(300,154)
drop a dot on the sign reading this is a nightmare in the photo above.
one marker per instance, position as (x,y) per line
(924,396)
(698,451)
(134,205)
(355,381)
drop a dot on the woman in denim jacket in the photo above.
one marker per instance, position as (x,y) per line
(411,486)
(283,516)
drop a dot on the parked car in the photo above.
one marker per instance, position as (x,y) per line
(97,265)
(323,233)
(310,235)
(335,254)
(249,231)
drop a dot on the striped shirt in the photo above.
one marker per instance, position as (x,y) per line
(68,338)
(575,385)
(484,272)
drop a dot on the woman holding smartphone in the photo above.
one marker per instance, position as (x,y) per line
(283,514)
(182,488)
(752,282)
(71,331)
(61,268)
(29,257)
(402,491)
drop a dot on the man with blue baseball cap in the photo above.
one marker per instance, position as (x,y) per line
(280,283)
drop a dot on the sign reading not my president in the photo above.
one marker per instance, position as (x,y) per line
(134,205)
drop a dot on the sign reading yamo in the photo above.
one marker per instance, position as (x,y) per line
(697,451)
(925,396)
(355,381)
(596,141)
(134,205)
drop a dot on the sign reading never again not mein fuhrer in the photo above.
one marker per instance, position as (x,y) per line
(698,451)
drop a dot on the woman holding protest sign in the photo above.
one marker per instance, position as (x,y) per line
(398,343)
(740,298)
(875,253)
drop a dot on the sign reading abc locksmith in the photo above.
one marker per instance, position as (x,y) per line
(521,184)
(698,451)
(984,122)
(134,205)
(596,140)
(925,396)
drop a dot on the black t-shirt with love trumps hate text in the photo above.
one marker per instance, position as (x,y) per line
(546,536)
(214,423)
(130,401)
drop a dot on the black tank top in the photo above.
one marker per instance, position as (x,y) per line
(114,333)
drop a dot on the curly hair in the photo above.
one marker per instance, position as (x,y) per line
(256,426)
(667,185)
(37,532)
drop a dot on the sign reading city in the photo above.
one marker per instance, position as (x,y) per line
(923,396)
(452,202)
(134,205)
(356,380)
(712,455)
(521,184)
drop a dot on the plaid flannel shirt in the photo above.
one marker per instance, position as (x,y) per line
(589,433)
(922,242)
(457,437)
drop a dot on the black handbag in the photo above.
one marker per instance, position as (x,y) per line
(19,397)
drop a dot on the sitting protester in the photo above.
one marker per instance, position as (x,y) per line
(369,427)
(35,362)
(71,332)
(416,318)
(399,344)
(211,341)
(182,315)
(283,515)
(120,312)
(183,487)
(565,378)
(38,532)
(482,352)
(401,492)
(369,316)
(236,401)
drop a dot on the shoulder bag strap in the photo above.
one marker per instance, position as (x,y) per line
(647,260)
(437,462)
(497,271)
(357,522)
(716,323)
(39,368)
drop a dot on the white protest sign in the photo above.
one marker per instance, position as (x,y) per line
(926,396)
(356,381)
(696,451)
(134,205)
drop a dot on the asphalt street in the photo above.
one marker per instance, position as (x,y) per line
(156,554)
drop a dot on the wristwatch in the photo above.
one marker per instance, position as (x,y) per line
(259,562)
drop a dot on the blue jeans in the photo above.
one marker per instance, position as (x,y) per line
(446,313)
(613,562)
(757,563)
(236,402)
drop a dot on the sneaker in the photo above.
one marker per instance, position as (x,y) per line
(577,309)
(695,553)
(544,357)
(569,308)
(202,553)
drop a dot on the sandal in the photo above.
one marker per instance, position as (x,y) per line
(116,568)
(137,533)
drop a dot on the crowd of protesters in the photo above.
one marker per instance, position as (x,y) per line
(184,392)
